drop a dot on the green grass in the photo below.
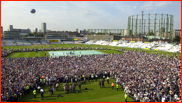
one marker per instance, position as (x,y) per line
(42,53)
(28,54)
(114,49)
(93,94)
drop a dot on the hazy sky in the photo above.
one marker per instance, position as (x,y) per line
(69,15)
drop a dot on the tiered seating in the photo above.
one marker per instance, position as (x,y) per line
(98,42)
(114,43)
(150,46)
(105,43)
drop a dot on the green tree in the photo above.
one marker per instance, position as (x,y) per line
(151,34)
(100,33)
(177,39)
(36,34)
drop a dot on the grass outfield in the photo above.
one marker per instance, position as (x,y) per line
(114,48)
(42,53)
(93,94)
(28,54)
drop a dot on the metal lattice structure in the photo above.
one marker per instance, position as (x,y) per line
(160,24)
(119,31)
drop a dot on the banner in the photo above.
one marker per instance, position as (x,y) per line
(132,41)
(146,48)
(53,40)
(146,42)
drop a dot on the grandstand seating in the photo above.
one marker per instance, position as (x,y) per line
(99,42)
(114,43)
(105,43)
(21,42)
(148,45)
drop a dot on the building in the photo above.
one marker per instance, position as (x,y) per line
(22,35)
(177,32)
(134,38)
(43,27)
(33,38)
(161,40)
(1,30)
(48,30)
(74,34)
(35,30)
(83,31)
(57,35)
(11,35)
(99,37)
(20,30)
(2,34)
(117,38)
(10,27)
(25,30)
(125,32)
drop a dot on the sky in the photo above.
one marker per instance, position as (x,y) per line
(70,15)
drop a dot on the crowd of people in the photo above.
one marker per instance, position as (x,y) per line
(150,78)
(144,77)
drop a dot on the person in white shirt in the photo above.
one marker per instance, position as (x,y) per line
(92,77)
(108,80)
(96,77)
(163,99)
(57,85)
(46,78)
(104,77)
(76,80)
(175,96)
(39,88)
(41,92)
(178,100)
(71,80)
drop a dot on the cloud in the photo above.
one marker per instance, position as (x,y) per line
(81,4)
(134,7)
(119,5)
(85,12)
(148,5)
(12,5)
(44,11)
(158,4)
(163,4)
